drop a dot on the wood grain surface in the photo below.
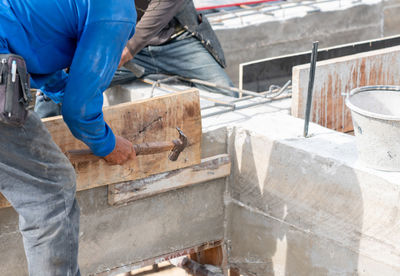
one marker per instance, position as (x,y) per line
(148,120)
(340,75)
(215,167)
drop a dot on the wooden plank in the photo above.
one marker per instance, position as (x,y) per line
(210,168)
(3,202)
(340,75)
(258,75)
(234,272)
(169,256)
(213,256)
(141,121)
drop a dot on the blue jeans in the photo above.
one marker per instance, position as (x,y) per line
(45,107)
(187,58)
(39,181)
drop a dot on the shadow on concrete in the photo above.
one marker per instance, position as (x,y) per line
(293,212)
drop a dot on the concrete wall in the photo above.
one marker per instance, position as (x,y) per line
(112,237)
(281,36)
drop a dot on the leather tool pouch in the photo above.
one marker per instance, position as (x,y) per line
(14,90)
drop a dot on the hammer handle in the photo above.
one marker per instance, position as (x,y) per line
(140,149)
(152,147)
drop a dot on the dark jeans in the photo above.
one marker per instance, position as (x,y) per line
(39,181)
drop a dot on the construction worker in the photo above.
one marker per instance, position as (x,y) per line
(35,176)
(171,38)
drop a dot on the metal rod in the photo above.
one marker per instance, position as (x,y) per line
(217,102)
(244,106)
(313,63)
(271,94)
(231,106)
(262,93)
(159,84)
(233,89)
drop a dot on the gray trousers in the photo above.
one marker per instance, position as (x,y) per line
(39,181)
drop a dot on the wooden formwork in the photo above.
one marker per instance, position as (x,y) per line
(335,77)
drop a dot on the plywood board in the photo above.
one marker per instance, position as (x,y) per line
(258,75)
(3,202)
(340,75)
(210,168)
(147,120)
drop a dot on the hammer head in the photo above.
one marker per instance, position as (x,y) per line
(180,145)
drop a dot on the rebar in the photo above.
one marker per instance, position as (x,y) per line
(313,63)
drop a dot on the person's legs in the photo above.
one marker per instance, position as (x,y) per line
(188,58)
(45,107)
(39,181)
(144,59)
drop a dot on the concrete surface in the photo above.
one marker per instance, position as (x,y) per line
(290,29)
(301,206)
(292,206)
(112,237)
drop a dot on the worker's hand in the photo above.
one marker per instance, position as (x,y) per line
(122,152)
(126,56)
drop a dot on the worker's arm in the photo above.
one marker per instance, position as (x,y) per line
(158,14)
(96,58)
(3,46)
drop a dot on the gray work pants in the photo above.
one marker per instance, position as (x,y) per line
(39,181)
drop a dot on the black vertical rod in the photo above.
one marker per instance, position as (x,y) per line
(313,63)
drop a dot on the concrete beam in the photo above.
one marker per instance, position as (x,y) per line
(306,206)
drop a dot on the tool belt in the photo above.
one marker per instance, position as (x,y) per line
(14,90)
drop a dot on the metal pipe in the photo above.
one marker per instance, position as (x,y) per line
(313,63)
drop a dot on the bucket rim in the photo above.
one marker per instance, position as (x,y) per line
(364,112)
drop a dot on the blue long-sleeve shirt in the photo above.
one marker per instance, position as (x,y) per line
(88,36)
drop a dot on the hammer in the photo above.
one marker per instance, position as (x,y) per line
(136,69)
(176,146)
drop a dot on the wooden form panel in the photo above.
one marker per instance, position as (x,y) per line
(165,257)
(258,75)
(341,75)
(210,168)
(147,120)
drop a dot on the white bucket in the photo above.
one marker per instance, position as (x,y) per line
(375,111)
